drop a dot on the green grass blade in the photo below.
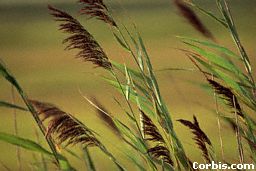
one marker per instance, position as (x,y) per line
(133,72)
(243,94)
(9,105)
(64,164)
(221,49)
(35,147)
(138,78)
(138,51)
(128,84)
(72,153)
(211,15)
(216,59)
(127,132)
(136,141)
(221,62)
(116,85)
(220,74)
(121,42)
(176,144)
(24,143)
(135,161)
(224,9)
(5,73)
(10,78)
(145,104)
(88,159)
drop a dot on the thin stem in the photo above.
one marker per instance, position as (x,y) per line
(4,166)
(155,95)
(32,110)
(40,125)
(238,136)
(219,125)
(223,6)
(42,156)
(107,140)
(134,57)
(128,103)
(88,160)
(16,128)
(103,148)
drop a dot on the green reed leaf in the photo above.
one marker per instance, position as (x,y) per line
(9,105)
(88,160)
(128,84)
(121,42)
(211,15)
(24,143)
(145,104)
(216,59)
(220,48)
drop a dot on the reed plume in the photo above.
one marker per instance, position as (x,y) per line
(149,129)
(97,9)
(80,39)
(151,133)
(200,137)
(192,18)
(64,126)
(227,95)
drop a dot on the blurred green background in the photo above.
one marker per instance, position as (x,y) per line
(30,45)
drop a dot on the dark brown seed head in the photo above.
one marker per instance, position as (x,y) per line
(228,96)
(199,136)
(149,130)
(80,39)
(97,9)
(152,134)
(63,126)
(162,153)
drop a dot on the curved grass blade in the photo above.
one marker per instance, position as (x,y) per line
(137,142)
(133,72)
(177,145)
(68,129)
(11,79)
(24,143)
(9,105)
(244,95)
(212,45)
(35,147)
(133,96)
(216,59)
(88,160)
(64,164)
(121,42)
(211,15)
(128,84)
(135,161)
